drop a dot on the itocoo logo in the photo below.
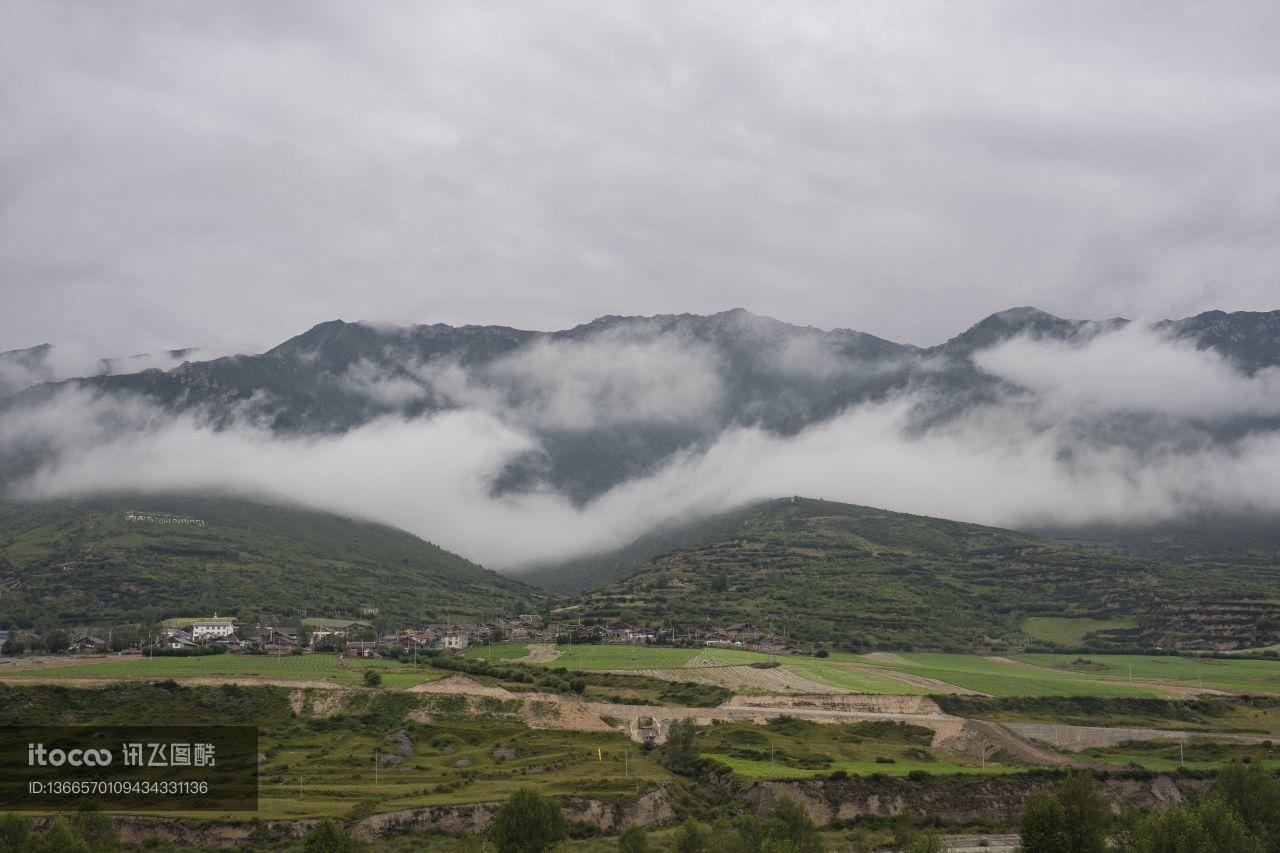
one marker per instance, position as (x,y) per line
(37,754)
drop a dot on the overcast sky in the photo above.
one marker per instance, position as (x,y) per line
(228,174)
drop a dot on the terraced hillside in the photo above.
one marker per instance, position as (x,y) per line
(862,578)
(132,557)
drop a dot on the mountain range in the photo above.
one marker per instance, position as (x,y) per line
(619,397)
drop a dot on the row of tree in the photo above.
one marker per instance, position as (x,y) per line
(1240,813)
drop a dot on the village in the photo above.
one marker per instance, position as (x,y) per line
(361,638)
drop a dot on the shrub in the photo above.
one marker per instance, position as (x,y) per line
(327,837)
(634,840)
(528,822)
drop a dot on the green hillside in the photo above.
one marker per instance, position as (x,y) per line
(86,561)
(865,578)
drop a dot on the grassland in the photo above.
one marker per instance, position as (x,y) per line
(787,748)
(315,667)
(1164,756)
(1070,632)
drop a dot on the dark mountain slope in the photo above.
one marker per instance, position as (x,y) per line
(859,577)
(85,560)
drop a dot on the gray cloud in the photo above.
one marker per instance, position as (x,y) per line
(181,173)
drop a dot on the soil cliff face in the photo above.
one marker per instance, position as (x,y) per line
(953,799)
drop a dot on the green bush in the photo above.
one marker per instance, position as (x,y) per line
(327,837)
(528,822)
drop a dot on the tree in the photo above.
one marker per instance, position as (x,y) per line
(691,837)
(1044,824)
(1072,819)
(327,837)
(372,678)
(680,753)
(633,840)
(12,646)
(528,822)
(1254,794)
(1207,826)
(790,823)
(58,641)
(1087,815)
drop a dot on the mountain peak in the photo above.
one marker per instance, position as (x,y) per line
(1022,315)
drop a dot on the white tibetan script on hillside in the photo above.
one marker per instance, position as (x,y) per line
(155,518)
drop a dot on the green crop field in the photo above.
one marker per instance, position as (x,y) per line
(1005,679)
(840,674)
(620,656)
(588,658)
(315,667)
(1045,675)
(1247,676)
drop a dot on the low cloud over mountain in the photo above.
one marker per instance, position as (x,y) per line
(515,447)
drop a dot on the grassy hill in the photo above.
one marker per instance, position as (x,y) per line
(859,577)
(130,557)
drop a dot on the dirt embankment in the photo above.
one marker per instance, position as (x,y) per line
(460,685)
(1077,738)
(649,809)
(869,702)
(952,799)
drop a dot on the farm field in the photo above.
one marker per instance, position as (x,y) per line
(1246,676)
(621,656)
(1023,675)
(828,672)
(314,667)
(889,673)
(999,678)
(453,761)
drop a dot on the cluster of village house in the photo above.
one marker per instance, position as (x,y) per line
(357,639)
(353,638)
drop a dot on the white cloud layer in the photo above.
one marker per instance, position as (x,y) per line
(1134,369)
(1016,462)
